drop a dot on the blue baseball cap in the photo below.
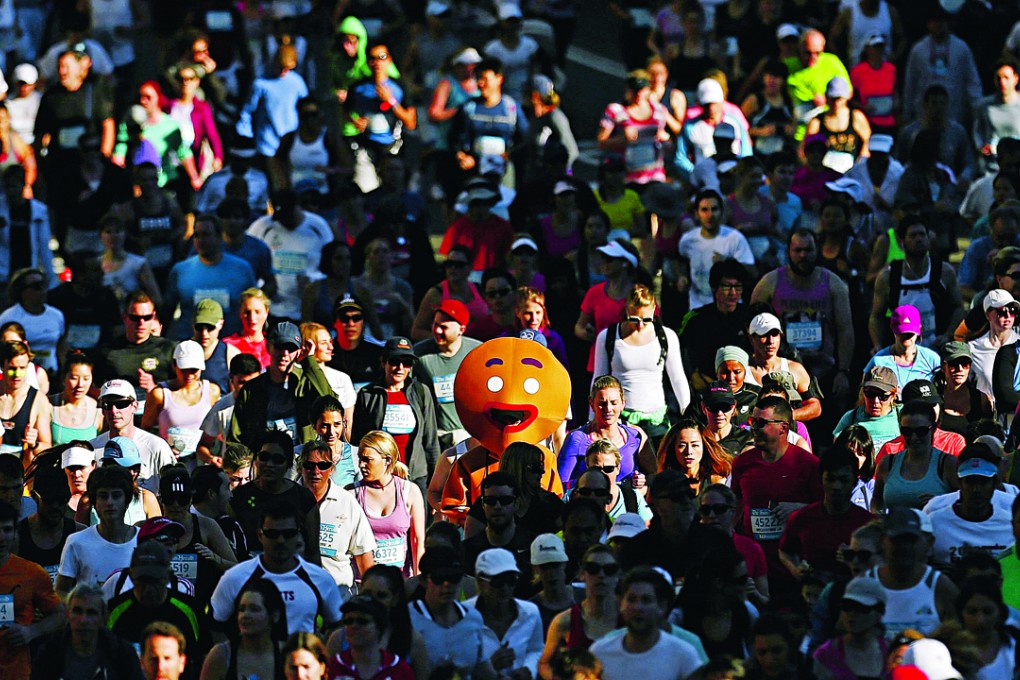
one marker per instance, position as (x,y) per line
(978,467)
(122,450)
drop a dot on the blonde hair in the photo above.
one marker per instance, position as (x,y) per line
(526,294)
(600,447)
(255,293)
(640,296)
(286,57)
(384,444)
(310,328)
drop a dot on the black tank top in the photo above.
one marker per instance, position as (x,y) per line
(44,557)
(14,429)
(232,666)
(197,569)
(216,369)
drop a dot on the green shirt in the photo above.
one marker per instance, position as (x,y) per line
(439,372)
(1010,577)
(807,82)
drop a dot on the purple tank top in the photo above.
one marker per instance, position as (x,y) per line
(391,531)
(808,317)
(477,307)
(571,456)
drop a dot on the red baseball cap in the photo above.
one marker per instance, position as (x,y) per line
(456,310)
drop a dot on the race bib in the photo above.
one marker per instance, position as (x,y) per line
(52,572)
(220,295)
(881,106)
(327,540)
(185,565)
(804,334)
(391,551)
(284,425)
(766,525)
(83,337)
(443,385)
(68,136)
(840,161)
(183,440)
(378,125)
(289,262)
(399,419)
(160,256)
(9,449)
(7,609)
(487,145)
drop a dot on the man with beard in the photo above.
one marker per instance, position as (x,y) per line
(814,304)
(718,323)
(918,280)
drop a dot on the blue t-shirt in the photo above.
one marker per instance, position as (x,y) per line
(191,281)
(926,362)
(271,111)
(485,129)
(381,119)
(975,269)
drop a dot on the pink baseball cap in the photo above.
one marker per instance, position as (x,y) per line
(906,319)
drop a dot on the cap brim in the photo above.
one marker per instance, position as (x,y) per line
(860,599)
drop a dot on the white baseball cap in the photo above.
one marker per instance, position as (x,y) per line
(613,249)
(710,92)
(547,549)
(26,73)
(496,561)
(468,55)
(764,323)
(997,298)
(509,10)
(117,388)
(627,525)
(881,143)
(189,355)
(932,658)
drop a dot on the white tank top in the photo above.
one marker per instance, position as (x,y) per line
(862,27)
(912,607)
(916,292)
(784,365)
(305,158)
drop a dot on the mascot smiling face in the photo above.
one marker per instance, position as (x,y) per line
(511,390)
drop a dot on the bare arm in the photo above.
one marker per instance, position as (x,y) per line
(554,639)
(421,329)
(364,561)
(417,526)
(958,313)
(312,536)
(153,405)
(877,320)
(878,499)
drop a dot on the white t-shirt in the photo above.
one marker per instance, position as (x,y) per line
(89,558)
(1000,498)
(217,422)
(154,451)
(42,330)
(303,588)
(344,531)
(295,253)
(669,659)
(703,252)
(982,355)
(954,536)
(638,369)
(341,384)
(515,64)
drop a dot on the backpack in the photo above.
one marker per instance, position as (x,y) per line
(937,291)
(660,335)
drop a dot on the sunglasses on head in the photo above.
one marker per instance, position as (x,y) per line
(596,568)
(269,457)
(714,509)
(498,500)
(350,318)
(273,534)
(138,318)
(119,404)
(317,465)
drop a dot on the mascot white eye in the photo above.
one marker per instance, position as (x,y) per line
(531,385)
(495,383)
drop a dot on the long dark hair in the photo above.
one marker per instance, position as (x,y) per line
(273,602)
(399,615)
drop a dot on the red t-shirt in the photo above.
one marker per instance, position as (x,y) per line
(753,556)
(489,240)
(814,535)
(877,86)
(399,421)
(943,440)
(793,478)
(604,310)
(257,349)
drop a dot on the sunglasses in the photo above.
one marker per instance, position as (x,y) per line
(379,56)
(760,423)
(536,467)
(857,555)
(273,534)
(1005,311)
(595,568)
(499,500)
(320,465)
(398,362)
(855,607)
(720,408)
(204,328)
(350,318)
(498,293)
(119,404)
(455,264)
(275,458)
(587,492)
(774,333)
(138,318)
(909,432)
(440,579)
(877,394)
(714,509)
(500,581)
(639,319)
(960,363)
(35,285)
(608,469)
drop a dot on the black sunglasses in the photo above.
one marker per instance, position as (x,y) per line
(608,469)
(119,404)
(877,394)
(397,362)
(137,318)
(499,292)
(320,465)
(440,579)
(273,534)
(501,580)
(276,458)
(586,492)
(853,555)
(455,264)
(595,568)
(909,432)
(536,467)
(350,318)
(714,509)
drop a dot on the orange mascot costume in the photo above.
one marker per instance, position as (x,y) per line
(507,390)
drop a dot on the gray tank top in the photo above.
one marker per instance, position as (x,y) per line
(906,493)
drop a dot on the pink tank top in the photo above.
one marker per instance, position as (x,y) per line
(476,307)
(181,426)
(391,531)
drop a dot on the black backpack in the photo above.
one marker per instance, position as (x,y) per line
(660,335)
